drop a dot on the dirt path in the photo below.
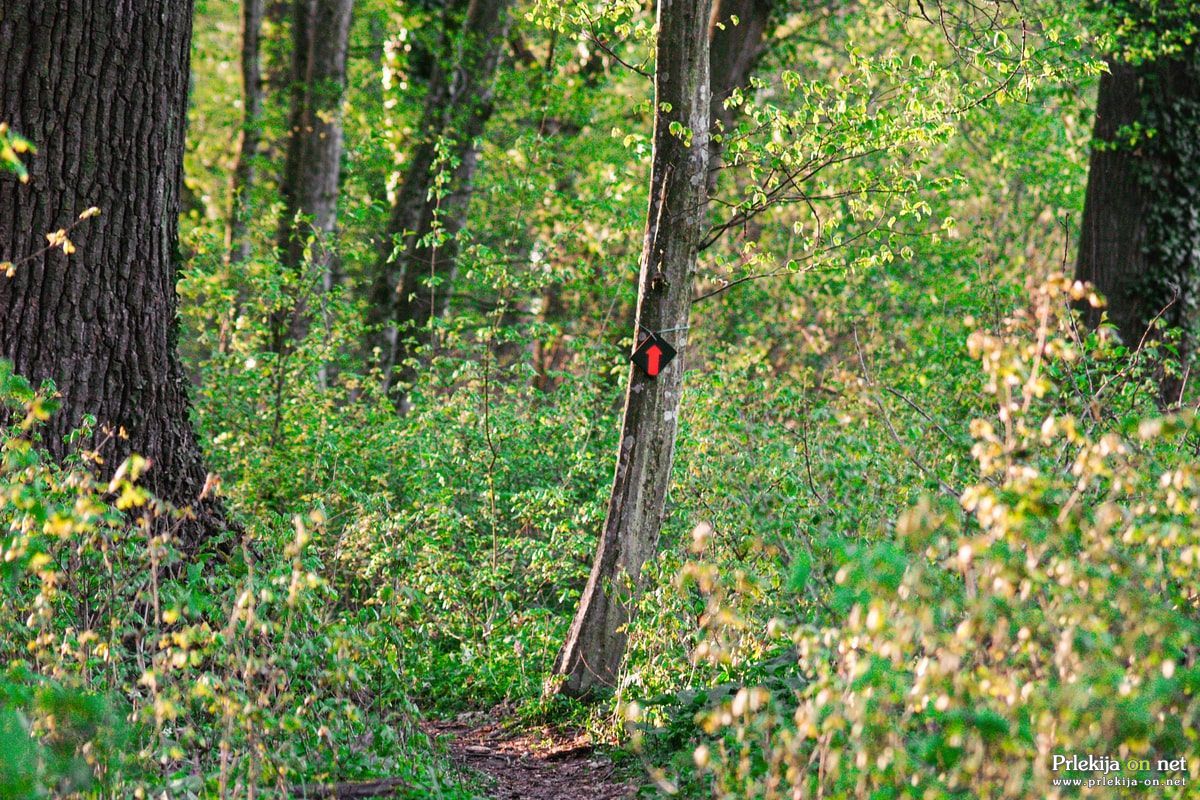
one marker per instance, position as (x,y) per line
(530,763)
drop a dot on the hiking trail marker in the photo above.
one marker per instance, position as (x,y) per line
(653,354)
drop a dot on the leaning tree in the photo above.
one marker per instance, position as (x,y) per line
(101,90)
(675,220)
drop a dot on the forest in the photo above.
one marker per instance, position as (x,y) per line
(597,399)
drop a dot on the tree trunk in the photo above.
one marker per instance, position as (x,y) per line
(244,171)
(108,122)
(735,51)
(321,30)
(591,657)
(418,263)
(275,51)
(549,352)
(1112,238)
(1140,238)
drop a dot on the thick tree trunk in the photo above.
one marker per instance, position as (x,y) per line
(244,172)
(591,657)
(321,30)
(418,263)
(1112,239)
(101,89)
(735,51)
(1140,237)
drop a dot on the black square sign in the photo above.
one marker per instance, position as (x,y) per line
(653,355)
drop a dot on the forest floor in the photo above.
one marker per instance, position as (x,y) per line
(529,763)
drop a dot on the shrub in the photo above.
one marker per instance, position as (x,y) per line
(1053,612)
(133,672)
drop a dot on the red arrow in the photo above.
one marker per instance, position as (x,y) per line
(652,359)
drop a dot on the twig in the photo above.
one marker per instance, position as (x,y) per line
(916,462)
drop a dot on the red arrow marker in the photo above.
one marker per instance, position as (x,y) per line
(652,356)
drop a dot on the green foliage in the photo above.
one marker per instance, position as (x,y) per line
(1148,30)
(894,176)
(1051,612)
(12,147)
(459,527)
(134,673)
(1166,163)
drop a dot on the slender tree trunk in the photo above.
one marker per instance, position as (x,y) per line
(275,52)
(244,171)
(591,656)
(1140,237)
(418,263)
(736,49)
(108,122)
(321,30)
(549,352)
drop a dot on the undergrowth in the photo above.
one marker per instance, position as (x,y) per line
(133,670)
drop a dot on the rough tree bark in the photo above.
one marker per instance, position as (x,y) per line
(101,89)
(591,657)
(415,272)
(237,233)
(1140,236)
(320,38)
